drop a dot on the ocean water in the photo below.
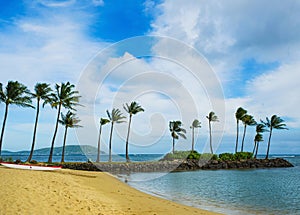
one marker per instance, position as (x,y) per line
(252,191)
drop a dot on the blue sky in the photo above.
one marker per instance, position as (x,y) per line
(179,59)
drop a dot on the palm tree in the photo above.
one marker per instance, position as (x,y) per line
(69,121)
(258,138)
(196,124)
(132,109)
(240,112)
(212,117)
(260,128)
(41,92)
(247,120)
(275,123)
(115,117)
(14,93)
(176,131)
(64,96)
(102,122)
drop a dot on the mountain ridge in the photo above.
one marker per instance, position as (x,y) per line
(69,150)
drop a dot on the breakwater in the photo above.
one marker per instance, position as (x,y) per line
(178,165)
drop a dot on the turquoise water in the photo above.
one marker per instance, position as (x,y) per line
(253,191)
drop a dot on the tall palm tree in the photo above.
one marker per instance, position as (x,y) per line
(239,114)
(176,131)
(260,128)
(64,96)
(41,92)
(102,122)
(132,109)
(257,139)
(212,117)
(69,121)
(14,93)
(275,123)
(247,120)
(196,124)
(115,117)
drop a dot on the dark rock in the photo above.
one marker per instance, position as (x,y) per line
(175,166)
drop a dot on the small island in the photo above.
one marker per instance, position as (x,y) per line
(184,161)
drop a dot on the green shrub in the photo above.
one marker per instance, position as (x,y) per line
(243,155)
(208,156)
(194,155)
(227,156)
(181,155)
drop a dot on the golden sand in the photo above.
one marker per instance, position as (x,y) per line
(77,192)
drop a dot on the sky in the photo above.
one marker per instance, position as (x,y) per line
(178,59)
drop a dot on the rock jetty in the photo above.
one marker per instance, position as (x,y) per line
(178,165)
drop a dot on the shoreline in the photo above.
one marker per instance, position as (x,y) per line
(79,192)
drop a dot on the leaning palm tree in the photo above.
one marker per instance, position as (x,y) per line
(196,124)
(212,117)
(115,117)
(247,120)
(260,128)
(239,114)
(176,131)
(69,121)
(64,96)
(41,92)
(257,139)
(275,123)
(132,109)
(102,122)
(14,93)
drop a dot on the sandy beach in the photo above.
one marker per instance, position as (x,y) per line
(78,192)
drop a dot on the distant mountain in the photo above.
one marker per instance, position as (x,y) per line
(70,150)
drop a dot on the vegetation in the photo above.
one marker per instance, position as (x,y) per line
(14,93)
(260,128)
(41,92)
(69,121)
(131,109)
(64,96)
(239,114)
(212,117)
(275,123)
(247,120)
(196,124)
(102,122)
(115,117)
(257,139)
(176,132)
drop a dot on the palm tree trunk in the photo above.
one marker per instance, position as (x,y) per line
(54,135)
(256,150)
(242,148)
(210,139)
(35,128)
(64,145)
(173,145)
(267,155)
(193,138)
(3,127)
(127,154)
(237,136)
(99,139)
(110,139)
(254,147)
